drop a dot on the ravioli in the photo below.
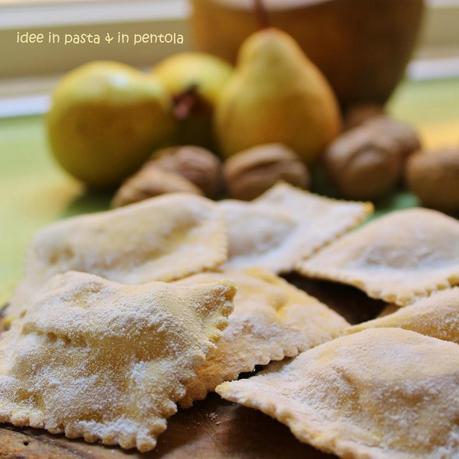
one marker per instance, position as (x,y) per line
(436,316)
(163,238)
(382,393)
(266,238)
(271,320)
(284,225)
(398,258)
(104,361)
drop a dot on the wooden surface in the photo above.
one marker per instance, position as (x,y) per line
(212,430)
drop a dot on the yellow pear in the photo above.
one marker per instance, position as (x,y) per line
(276,95)
(194,81)
(361,46)
(105,119)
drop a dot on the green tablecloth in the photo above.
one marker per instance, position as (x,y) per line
(34,191)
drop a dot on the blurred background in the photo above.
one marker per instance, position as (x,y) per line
(403,52)
(387,27)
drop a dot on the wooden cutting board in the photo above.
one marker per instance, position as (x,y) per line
(213,428)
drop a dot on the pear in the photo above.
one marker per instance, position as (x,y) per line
(276,95)
(194,81)
(105,120)
(361,46)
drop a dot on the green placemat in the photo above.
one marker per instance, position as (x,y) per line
(36,192)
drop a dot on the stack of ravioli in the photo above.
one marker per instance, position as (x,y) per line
(123,315)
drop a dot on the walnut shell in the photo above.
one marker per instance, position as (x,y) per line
(196,164)
(250,173)
(367,162)
(151,181)
(434,177)
(404,137)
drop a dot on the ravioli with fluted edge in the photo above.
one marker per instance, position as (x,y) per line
(285,225)
(398,258)
(271,320)
(163,238)
(383,393)
(96,359)
(436,316)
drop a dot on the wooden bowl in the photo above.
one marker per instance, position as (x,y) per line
(361,46)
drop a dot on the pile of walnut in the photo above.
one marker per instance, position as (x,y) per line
(196,170)
(371,158)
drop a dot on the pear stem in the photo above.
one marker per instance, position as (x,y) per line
(188,103)
(261,15)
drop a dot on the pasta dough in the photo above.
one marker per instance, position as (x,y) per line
(284,225)
(271,320)
(257,237)
(163,238)
(105,361)
(383,393)
(398,258)
(436,316)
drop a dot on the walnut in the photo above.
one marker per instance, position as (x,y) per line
(151,181)
(251,172)
(367,162)
(196,164)
(434,177)
(403,136)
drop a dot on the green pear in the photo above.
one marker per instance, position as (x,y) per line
(276,95)
(105,120)
(194,81)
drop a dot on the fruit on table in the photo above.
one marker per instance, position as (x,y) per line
(367,162)
(196,164)
(250,173)
(276,95)
(105,119)
(150,181)
(434,177)
(194,81)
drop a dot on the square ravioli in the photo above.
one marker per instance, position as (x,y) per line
(284,225)
(398,258)
(271,320)
(163,238)
(436,316)
(96,359)
(383,393)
